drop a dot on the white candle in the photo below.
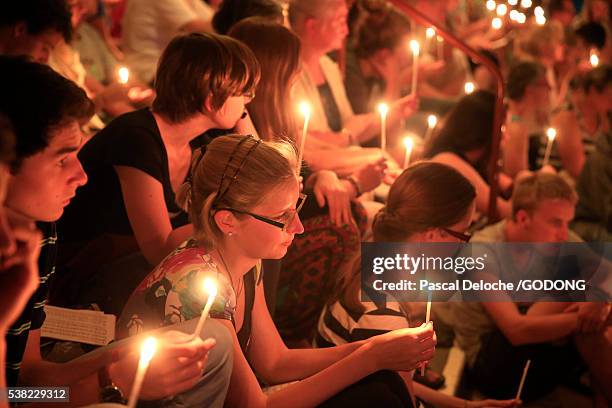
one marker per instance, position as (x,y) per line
(427,320)
(520,388)
(147,351)
(305,111)
(551,133)
(415,48)
(409,145)
(124,75)
(440,46)
(211,289)
(383,110)
(469,87)
(432,121)
(496,23)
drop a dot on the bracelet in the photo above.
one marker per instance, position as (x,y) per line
(355,185)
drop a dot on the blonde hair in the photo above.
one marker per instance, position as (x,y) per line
(535,188)
(237,172)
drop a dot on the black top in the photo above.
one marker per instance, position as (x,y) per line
(332,113)
(33,315)
(131,140)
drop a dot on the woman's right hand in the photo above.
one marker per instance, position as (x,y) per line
(371,175)
(404,349)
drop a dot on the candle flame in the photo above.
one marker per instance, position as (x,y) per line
(496,23)
(538,11)
(491,5)
(432,121)
(594,59)
(540,20)
(408,143)
(526,3)
(430,32)
(501,10)
(415,47)
(469,87)
(210,287)
(512,2)
(124,75)
(514,15)
(521,18)
(305,109)
(148,349)
(551,133)
(383,109)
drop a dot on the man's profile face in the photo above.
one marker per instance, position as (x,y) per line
(36,46)
(549,221)
(46,182)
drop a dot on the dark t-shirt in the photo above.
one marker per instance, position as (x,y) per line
(33,315)
(131,140)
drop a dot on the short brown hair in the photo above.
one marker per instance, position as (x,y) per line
(194,67)
(535,188)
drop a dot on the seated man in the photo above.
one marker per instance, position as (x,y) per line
(499,337)
(44,177)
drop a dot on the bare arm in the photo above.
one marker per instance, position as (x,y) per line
(149,218)
(516,149)
(569,142)
(522,329)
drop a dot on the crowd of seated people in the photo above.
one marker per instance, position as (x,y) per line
(146,146)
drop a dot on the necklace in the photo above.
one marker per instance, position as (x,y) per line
(237,293)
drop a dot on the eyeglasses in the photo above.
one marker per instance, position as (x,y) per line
(282,222)
(459,235)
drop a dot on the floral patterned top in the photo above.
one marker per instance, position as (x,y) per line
(173,292)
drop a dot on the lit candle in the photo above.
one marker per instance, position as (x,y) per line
(469,87)
(430,33)
(427,320)
(147,351)
(211,289)
(551,133)
(440,47)
(521,18)
(124,75)
(383,110)
(415,48)
(409,145)
(540,20)
(305,111)
(594,59)
(522,383)
(514,15)
(432,121)
(496,23)
(526,3)
(538,11)
(512,2)
(491,5)
(501,10)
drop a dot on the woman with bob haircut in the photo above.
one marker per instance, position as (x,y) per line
(137,164)
(244,201)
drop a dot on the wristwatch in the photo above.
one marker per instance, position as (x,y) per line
(109,392)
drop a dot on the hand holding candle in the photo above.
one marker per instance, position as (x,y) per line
(306,112)
(415,48)
(211,289)
(551,134)
(383,110)
(147,351)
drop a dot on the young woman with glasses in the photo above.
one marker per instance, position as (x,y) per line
(429,202)
(244,201)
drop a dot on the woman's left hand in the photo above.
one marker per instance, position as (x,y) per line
(337,194)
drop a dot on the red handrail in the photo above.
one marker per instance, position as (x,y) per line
(498,117)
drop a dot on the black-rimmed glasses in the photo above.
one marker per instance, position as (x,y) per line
(282,222)
(459,235)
